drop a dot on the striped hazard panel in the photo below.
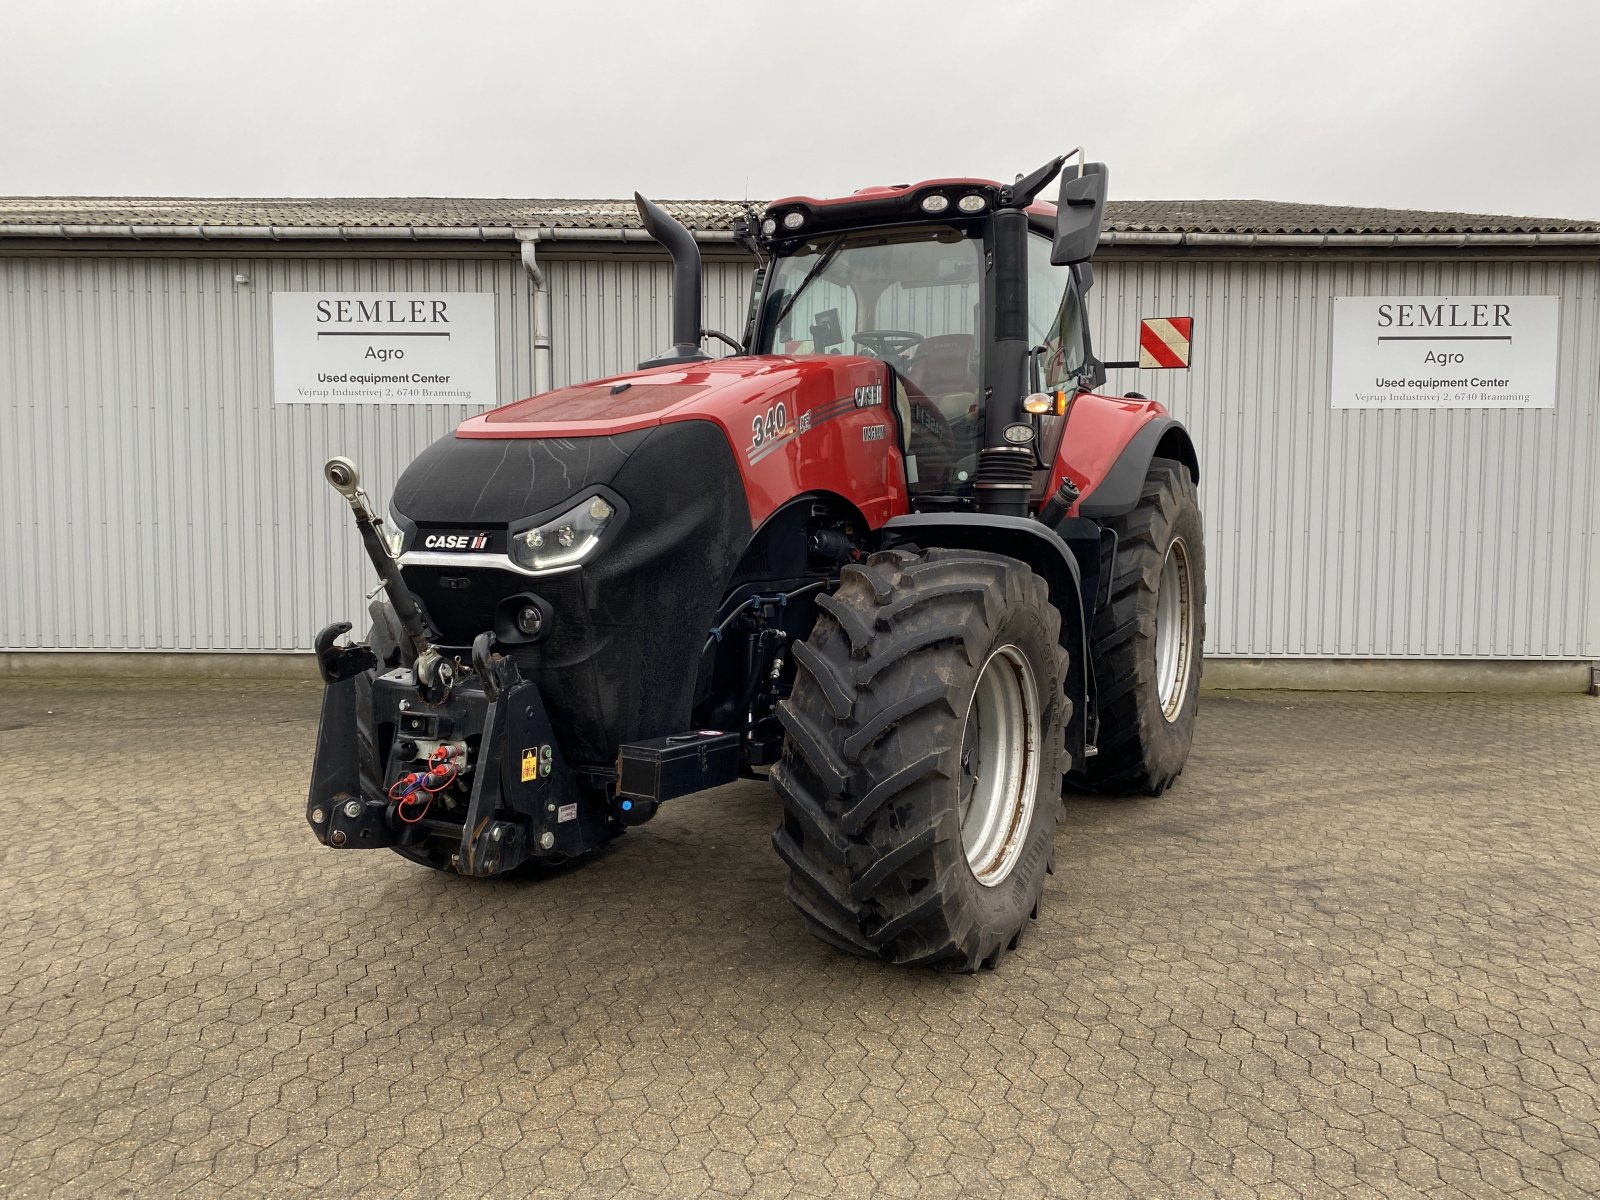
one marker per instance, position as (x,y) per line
(1165,341)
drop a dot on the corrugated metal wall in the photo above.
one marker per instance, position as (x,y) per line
(611,314)
(1345,533)
(152,495)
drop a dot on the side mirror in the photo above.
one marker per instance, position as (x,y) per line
(1080,209)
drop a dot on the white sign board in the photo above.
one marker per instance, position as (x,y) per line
(1444,351)
(384,348)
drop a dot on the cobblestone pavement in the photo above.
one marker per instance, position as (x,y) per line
(1354,953)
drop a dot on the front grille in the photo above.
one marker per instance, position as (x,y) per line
(460,603)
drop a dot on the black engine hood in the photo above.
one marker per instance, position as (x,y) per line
(622,650)
(475,482)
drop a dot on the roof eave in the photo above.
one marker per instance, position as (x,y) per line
(1332,241)
(347,232)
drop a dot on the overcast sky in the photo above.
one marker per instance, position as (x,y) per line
(1466,105)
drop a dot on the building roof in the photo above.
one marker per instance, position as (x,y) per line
(388,212)
(1274,216)
(1128,222)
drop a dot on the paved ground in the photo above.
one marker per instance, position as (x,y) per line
(1354,953)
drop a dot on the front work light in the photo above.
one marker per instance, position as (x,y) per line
(935,203)
(566,540)
(971,204)
(793,220)
(395,539)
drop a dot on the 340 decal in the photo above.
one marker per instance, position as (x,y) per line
(773,423)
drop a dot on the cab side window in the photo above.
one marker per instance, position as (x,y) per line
(1055,317)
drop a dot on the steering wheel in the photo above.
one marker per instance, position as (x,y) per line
(881,343)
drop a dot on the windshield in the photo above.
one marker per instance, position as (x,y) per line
(911,297)
(850,293)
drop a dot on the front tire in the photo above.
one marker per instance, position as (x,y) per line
(923,757)
(1146,643)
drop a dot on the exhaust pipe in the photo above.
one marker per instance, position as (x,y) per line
(672,234)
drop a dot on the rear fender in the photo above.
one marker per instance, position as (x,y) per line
(1027,540)
(1119,491)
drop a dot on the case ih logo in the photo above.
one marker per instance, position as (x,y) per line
(456,541)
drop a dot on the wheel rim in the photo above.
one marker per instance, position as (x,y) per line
(999,765)
(1174,630)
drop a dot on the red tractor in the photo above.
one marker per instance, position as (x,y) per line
(896,553)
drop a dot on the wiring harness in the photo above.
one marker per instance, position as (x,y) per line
(413,793)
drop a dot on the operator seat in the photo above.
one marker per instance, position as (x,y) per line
(945,369)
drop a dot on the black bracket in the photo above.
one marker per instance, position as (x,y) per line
(335,663)
(347,822)
(1108,567)
(497,671)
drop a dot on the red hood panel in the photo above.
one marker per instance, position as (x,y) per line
(644,398)
(812,424)
(613,405)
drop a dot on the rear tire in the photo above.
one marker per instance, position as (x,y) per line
(1146,642)
(923,756)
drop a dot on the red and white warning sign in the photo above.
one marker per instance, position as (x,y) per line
(1164,341)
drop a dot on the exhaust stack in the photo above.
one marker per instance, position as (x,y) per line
(672,234)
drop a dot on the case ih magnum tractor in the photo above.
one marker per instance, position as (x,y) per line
(896,553)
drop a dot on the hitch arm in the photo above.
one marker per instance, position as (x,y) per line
(341,473)
(435,676)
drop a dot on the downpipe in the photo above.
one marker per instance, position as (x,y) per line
(528,251)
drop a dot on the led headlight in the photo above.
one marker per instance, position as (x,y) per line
(393,533)
(567,540)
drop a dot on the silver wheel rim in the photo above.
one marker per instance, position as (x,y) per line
(999,765)
(1174,630)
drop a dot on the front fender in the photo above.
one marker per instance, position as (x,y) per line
(1025,539)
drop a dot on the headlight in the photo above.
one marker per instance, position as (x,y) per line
(394,535)
(566,540)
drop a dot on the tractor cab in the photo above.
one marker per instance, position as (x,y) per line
(957,285)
